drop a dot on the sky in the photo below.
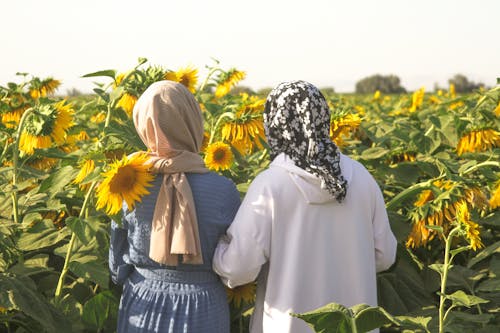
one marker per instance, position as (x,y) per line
(329,43)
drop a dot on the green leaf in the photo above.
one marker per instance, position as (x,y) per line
(490,285)
(413,322)
(368,318)
(435,228)
(374,153)
(108,72)
(81,228)
(493,248)
(102,94)
(20,293)
(459,298)
(42,235)
(96,271)
(461,249)
(57,181)
(439,268)
(331,318)
(98,308)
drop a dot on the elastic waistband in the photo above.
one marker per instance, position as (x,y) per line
(176,276)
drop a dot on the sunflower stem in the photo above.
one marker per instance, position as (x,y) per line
(69,251)
(209,75)
(480,165)
(15,162)
(444,277)
(409,192)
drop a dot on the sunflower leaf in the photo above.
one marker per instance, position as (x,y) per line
(109,72)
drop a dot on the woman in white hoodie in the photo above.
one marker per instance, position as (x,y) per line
(313,228)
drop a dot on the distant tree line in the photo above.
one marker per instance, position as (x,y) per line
(391,84)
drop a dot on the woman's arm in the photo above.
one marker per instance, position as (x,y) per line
(245,248)
(118,254)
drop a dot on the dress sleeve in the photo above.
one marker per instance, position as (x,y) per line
(119,265)
(245,247)
(384,239)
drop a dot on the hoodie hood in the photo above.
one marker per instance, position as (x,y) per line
(308,184)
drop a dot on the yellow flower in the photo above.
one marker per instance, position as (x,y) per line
(495,197)
(43,163)
(127,102)
(244,293)
(342,127)
(478,140)
(48,124)
(452,91)
(472,233)
(407,156)
(126,180)
(118,79)
(218,156)
(417,99)
(244,135)
(187,76)
(434,100)
(98,118)
(227,81)
(85,169)
(376,95)
(497,109)
(11,119)
(442,213)
(43,88)
(456,105)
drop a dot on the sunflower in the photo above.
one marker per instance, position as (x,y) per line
(452,91)
(218,156)
(71,141)
(341,127)
(495,197)
(417,99)
(246,131)
(43,88)
(244,293)
(228,80)
(43,163)
(187,76)
(86,167)
(244,135)
(11,118)
(441,213)
(497,110)
(98,118)
(126,180)
(127,102)
(471,229)
(46,125)
(478,140)
(407,156)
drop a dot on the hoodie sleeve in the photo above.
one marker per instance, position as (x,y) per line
(384,239)
(245,248)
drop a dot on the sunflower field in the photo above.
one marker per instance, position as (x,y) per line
(65,171)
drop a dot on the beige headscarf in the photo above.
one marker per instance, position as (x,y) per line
(169,121)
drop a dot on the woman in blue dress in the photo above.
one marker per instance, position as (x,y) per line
(162,250)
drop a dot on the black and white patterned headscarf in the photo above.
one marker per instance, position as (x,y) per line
(297,123)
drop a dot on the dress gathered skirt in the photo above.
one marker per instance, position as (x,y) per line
(175,299)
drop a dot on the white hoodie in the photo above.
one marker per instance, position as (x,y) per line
(309,249)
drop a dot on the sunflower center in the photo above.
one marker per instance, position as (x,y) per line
(123,180)
(184,80)
(219,155)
